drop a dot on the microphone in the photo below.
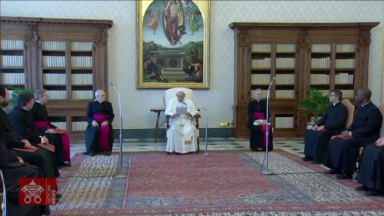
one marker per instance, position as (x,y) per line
(267,172)
(206,126)
(120,175)
(270,85)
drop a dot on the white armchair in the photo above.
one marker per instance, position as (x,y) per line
(170,94)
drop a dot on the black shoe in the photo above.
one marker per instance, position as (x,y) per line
(108,153)
(344,176)
(361,188)
(58,196)
(373,193)
(66,164)
(332,171)
(307,158)
(89,154)
(317,162)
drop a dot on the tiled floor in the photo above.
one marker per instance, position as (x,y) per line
(292,145)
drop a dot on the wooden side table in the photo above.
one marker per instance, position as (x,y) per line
(157,111)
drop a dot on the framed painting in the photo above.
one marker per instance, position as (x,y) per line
(173,44)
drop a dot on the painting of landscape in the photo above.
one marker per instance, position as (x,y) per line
(173,44)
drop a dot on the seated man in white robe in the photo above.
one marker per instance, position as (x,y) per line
(182,135)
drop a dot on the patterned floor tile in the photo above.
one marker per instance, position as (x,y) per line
(293,146)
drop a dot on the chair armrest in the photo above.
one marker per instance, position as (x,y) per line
(361,151)
(167,117)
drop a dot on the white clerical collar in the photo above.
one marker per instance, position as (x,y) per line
(39,102)
(98,100)
(365,104)
(334,104)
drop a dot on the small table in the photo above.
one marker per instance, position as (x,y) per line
(158,111)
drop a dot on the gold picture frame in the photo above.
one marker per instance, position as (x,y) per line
(173,46)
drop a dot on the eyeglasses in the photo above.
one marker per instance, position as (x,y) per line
(331,95)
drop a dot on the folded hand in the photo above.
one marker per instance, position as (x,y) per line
(20,160)
(50,131)
(27,144)
(94,123)
(44,140)
(320,128)
(105,123)
(314,127)
(344,134)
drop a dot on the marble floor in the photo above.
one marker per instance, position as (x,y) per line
(292,145)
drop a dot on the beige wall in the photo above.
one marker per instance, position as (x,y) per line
(219,99)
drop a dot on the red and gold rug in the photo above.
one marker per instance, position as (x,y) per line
(225,183)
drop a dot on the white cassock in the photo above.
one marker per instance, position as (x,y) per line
(182,134)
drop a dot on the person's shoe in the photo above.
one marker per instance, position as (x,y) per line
(91,154)
(373,193)
(331,171)
(316,162)
(307,158)
(108,153)
(361,188)
(344,176)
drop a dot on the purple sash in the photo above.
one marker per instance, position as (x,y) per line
(104,131)
(64,140)
(261,116)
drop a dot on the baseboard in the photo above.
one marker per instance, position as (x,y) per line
(150,133)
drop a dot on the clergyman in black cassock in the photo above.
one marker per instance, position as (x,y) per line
(371,170)
(99,132)
(23,127)
(343,151)
(332,123)
(13,170)
(39,114)
(257,110)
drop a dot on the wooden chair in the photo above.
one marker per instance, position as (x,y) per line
(170,94)
(351,111)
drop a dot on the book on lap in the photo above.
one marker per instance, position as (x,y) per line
(181,110)
(346,137)
(47,146)
(26,149)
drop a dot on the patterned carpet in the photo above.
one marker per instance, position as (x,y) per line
(225,183)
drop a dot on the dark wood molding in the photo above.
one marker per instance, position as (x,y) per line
(256,25)
(52,21)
